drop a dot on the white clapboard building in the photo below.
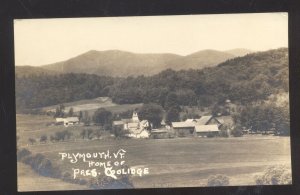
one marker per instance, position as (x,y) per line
(67,121)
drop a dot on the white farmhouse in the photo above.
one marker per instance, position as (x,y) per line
(68,121)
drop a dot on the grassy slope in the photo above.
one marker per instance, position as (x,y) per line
(27,177)
(186,162)
(91,105)
(172,162)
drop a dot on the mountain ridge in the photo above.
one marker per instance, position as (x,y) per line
(251,78)
(124,63)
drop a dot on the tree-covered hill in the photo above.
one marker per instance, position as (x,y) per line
(23,71)
(123,63)
(246,79)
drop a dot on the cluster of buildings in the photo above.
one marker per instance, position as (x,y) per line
(136,128)
(204,126)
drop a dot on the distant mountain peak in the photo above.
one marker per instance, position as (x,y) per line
(121,63)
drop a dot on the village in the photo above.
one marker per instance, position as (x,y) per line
(206,125)
(188,100)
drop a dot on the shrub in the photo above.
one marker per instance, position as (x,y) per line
(45,168)
(22,153)
(119,132)
(223,133)
(275,175)
(110,183)
(161,136)
(90,133)
(98,133)
(82,182)
(107,127)
(52,138)
(184,133)
(31,140)
(122,182)
(218,180)
(43,138)
(39,163)
(66,177)
(236,132)
(27,159)
(210,135)
(171,135)
(181,134)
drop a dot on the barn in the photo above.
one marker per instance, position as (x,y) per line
(184,128)
(206,130)
(208,120)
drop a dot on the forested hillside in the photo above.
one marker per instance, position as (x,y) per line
(43,90)
(22,71)
(246,79)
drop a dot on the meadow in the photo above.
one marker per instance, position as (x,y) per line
(91,105)
(177,162)
(27,177)
(180,162)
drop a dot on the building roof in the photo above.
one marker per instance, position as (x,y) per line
(191,120)
(144,122)
(206,128)
(204,120)
(71,119)
(118,123)
(127,120)
(59,119)
(133,125)
(183,124)
(68,119)
(228,101)
(227,120)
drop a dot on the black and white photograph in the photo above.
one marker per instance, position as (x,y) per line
(169,101)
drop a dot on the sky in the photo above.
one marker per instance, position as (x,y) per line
(44,41)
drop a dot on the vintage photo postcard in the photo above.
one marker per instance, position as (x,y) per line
(152,101)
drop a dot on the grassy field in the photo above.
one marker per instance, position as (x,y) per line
(185,162)
(180,162)
(27,177)
(91,105)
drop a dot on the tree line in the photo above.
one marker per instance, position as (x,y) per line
(243,80)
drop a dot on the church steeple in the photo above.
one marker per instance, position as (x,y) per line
(135,117)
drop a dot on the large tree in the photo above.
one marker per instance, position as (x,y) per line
(103,117)
(71,112)
(264,118)
(172,115)
(171,101)
(151,112)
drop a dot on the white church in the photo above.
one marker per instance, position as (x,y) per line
(137,128)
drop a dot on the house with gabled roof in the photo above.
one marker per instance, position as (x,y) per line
(203,126)
(226,120)
(184,128)
(191,120)
(208,120)
(206,130)
(67,121)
